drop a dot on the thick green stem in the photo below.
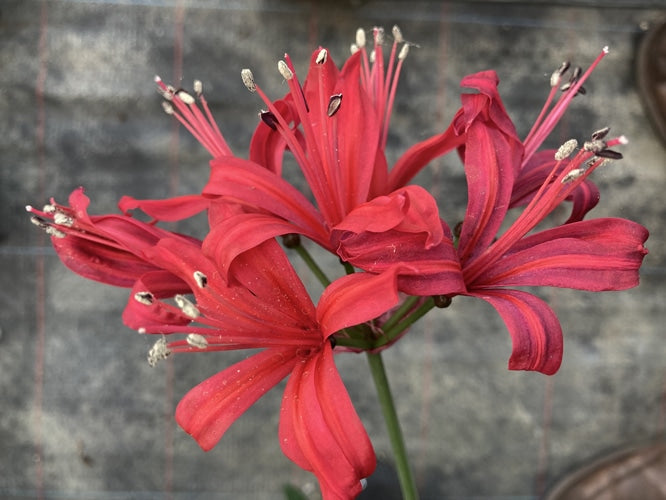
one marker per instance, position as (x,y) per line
(314,267)
(405,476)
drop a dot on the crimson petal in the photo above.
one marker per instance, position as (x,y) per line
(209,409)
(535,331)
(594,255)
(320,430)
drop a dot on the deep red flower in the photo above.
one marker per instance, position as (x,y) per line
(594,255)
(261,303)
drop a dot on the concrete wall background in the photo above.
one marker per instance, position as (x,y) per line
(82,415)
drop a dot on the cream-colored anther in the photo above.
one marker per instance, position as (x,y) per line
(248,80)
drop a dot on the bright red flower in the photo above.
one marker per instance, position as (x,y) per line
(106,248)
(594,255)
(336,126)
(261,303)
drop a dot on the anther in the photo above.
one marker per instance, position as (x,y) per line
(248,80)
(573,175)
(379,36)
(575,75)
(397,34)
(610,154)
(353,48)
(334,103)
(48,209)
(63,219)
(360,38)
(600,134)
(196,340)
(403,52)
(284,70)
(321,57)
(566,149)
(198,87)
(269,119)
(145,298)
(167,107)
(188,308)
(594,146)
(556,77)
(53,231)
(39,222)
(158,352)
(185,97)
(201,279)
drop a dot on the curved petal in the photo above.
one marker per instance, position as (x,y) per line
(242,232)
(320,430)
(254,186)
(267,145)
(420,154)
(209,409)
(169,210)
(357,298)
(594,255)
(492,157)
(535,331)
(410,210)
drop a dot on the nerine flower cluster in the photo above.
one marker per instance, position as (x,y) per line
(236,288)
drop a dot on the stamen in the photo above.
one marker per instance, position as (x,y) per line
(63,219)
(158,352)
(610,154)
(198,87)
(201,279)
(556,77)
(248,80)
(334,104)
(168,108)
(353,48)
(269,119)
(188,308)
(403,52)
(360,38)
(53,231)
(321,57)
(185,97)
(196,340)
(566,149)
(595,146)
(600,134)
(38,221)
(145,298)
(379,36)
(284,70)
(573,175)
(397,34)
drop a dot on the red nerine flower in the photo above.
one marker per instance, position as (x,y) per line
(336,126)
(261,303)
(594,255)
(106,248)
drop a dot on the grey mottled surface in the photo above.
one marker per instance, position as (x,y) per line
(82,415)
